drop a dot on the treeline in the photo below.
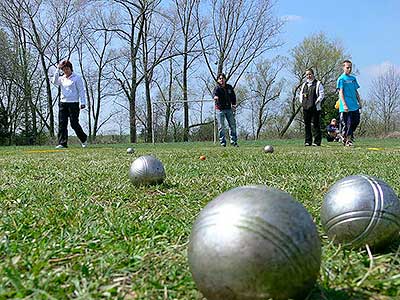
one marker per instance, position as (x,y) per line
(149,67)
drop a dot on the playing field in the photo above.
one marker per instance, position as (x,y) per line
(73,226)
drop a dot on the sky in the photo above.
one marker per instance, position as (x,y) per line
(368,30)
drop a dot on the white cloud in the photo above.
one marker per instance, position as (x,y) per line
(292,18)
(377,70)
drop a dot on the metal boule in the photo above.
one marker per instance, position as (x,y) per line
(359,210)
(254,242)
(147,170)
(268,149)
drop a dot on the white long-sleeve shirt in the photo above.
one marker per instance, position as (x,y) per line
(320,93)
(72,89)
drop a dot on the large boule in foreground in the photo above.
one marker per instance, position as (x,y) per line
(359,210)
(147,170)
(254,242)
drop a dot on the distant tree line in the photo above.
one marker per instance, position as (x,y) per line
(150,65)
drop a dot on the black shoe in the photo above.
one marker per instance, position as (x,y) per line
(307,144)
(223,144)
(234,144)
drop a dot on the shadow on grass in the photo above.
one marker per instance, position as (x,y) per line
(320,293)
(389,248)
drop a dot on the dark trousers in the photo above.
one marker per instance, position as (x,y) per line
(313,116)
(71,111)
(350,121)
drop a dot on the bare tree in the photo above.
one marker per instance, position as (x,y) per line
(97,75)
(265,87)
(10,101)
(385,95)
(185,10)
(128,26)
(238,33)
(15,20)
(168,97)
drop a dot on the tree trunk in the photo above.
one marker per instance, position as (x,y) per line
(185,97)
(282,133)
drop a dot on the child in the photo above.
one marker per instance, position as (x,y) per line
(350,103)
(333,131)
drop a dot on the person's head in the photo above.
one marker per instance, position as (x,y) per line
(66,67)
(221,78)
(310,74)
(333,121)
(347,66)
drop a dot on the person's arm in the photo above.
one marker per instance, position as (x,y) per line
(301,94)
(81,92)
(321,93)
(233,100)
(215,94)
(56,77)
(359,99)
(341,94)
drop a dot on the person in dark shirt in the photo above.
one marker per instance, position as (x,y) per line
(225,105)
(333,131)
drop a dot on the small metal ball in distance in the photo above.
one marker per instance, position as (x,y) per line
(130,150)
(147,170)
(268,149)
(254,242)
(359,210)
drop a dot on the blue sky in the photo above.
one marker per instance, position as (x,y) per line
(368,30)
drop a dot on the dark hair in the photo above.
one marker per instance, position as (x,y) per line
(310,70)
(66,63)
(347,61)
(221,75)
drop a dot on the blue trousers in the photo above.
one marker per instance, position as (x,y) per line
(228,115)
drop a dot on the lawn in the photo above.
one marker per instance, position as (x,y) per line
(73,226)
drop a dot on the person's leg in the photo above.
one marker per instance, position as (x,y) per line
(221,127)
(74,118)
(346,122)
(63,115)
(230,117)
(317,127)
(307,126)
(355,121)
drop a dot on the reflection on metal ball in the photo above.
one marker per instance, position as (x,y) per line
(254,242)
(147,170)
(359,210)
(130,150)
(268,149)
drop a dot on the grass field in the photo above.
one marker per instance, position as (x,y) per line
(73,226)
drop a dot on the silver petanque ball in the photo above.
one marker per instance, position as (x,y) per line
(130,150)
(359,210)
(146,170)
(268,149)
(254,242)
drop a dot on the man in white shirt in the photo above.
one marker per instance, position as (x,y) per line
(311,96)
(72,92)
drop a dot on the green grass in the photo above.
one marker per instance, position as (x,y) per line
(73,226)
